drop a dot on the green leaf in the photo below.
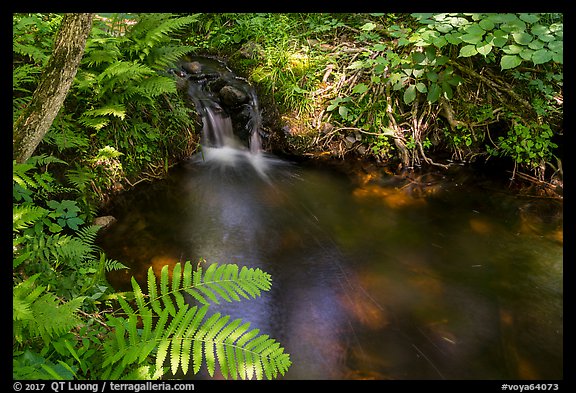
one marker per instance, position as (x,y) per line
(502,18)
(409,94)
(486,24)
(529,18)
(499,41)
(368,26)
(475,29)
(558,57)
(432,76)
(453,38)
(556,46)
(541,56)
(522,38)
(509,61)
(360,88)
(546,37)
(443,27)
(421,87)
(484,49)
(512,49)
(472,38)
(418,57)
(526,54)
(447,90)
(439,42)
(434,91)
(536,44)
(441,60)
(539,30)
(467,51)
(356,65)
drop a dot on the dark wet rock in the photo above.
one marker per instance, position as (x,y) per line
(193,67)
(104,221)
(232,96)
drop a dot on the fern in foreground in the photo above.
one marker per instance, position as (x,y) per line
(162,328)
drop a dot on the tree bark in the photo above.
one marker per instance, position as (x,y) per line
(53,86)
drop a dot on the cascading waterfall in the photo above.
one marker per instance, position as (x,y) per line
(228,106)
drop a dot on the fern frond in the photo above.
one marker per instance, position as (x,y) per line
(25,215)
(123,71)
(87,235)
(155,86)
(44,159)
(20,174)
(37,55)
(57,248)
(153,29)
(112,265)
(117,110)
(100,50)
(79,177)
(51,318)
(173,332)
(24,74)
(64,137)
(166,56)
(40,312)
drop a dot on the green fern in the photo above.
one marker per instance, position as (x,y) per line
(80,177)
(176,333)
(26,214)
(165,56)
(29,183)
(152,30)
(40,313)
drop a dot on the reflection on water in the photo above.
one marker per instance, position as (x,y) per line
(371,280)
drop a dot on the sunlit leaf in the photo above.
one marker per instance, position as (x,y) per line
(522,38)
(512,49)
(541,56)
(526,54)
(509,61)
(536,44)
(360,88)
(472,38)
(529,18)
(421,87)
(410,94)
(484,49)
(467,51)
(486,24)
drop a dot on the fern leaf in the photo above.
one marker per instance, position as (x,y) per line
(156,85)
(117,110)
(25,215)
(123,71)
(153,292)
(51,319)
(248,282)
(180,331)
(166,56)
(20,176)
(164,288)
(112,264)
(43,159)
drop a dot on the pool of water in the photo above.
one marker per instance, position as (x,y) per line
(445,276)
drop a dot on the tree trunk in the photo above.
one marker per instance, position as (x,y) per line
(53,87)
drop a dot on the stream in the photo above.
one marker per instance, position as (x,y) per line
(443,276)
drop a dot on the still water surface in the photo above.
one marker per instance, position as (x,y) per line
(372,278)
